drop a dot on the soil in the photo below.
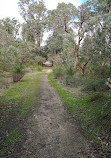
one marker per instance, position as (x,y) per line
(52,132)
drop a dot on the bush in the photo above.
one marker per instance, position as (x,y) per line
(95,85)
(35,67)
(58,71)
(69,80)
(39,68)
(3,82)
(39,58)
(97,97)
(107,71)
(18,70)
(97,71)
(70,71)
(18,73)
(27,65)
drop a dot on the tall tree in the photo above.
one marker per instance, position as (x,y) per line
(35,16)
(67,18)
(83,16)
(100,30)
(60,18)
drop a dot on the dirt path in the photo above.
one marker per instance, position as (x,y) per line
(52,132)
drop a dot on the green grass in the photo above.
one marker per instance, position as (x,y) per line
(10,141)
(92,111)
(17,103)
(39,68)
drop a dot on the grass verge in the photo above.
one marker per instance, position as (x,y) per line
(94,114)
(16,103)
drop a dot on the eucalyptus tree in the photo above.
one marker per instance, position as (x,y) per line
(102,48)
(67,53)
(5,39)
(85,53)
(35,16)
(100,6)
(100,30)
(60,18)
(9,30)
(8,58)
(25,55)
(11,26)
(55,43)
(67,18)
(83,16)
(28,32)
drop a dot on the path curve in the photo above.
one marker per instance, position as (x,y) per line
(52,131)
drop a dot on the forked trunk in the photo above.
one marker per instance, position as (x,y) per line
(83,66)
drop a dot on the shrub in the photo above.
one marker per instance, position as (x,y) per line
(35,67)
(18,73)
(58,71)
(39,58)
(95,85)
(27,65)
(69,80)
(70,71)
(98,72)
(18,70)
(107,71)
(97,96)
(39,68)
(3,82)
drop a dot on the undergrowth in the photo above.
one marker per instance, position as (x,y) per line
(94,114)
(16,103)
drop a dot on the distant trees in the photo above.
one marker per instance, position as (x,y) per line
(8,32)
(60,19)
(67,18)
(92,37)
(11,26)
(82,36)
(35,16)
(13,51)
(55,43)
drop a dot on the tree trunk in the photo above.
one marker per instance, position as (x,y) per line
(83,71)
(76,60)
(83,66)
(76,55)
(65,24)
(39,50)
(102,68)
(39,46)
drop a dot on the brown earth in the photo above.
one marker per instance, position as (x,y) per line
(52,131)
